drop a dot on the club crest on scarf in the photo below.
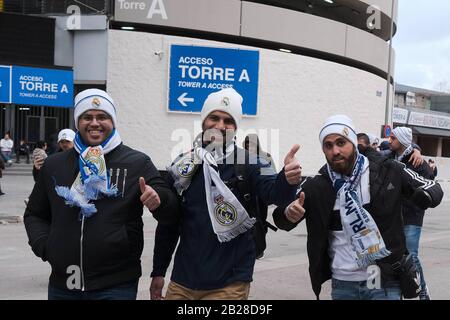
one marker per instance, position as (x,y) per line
(224,212)
(93,156)
(92,181)
(186,167)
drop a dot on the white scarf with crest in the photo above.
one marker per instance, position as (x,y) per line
(228,216)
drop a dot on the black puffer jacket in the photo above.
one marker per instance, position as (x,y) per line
(390,181)
(105,248)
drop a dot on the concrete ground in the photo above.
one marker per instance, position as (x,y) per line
(281,274)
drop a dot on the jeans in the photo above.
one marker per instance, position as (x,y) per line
(6,155)
(358,290)
(412,237)
(125,291)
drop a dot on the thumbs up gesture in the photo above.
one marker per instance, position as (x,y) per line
(292,168)
(149,197)
(295,211)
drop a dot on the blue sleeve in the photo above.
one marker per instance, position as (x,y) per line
(270,187)
(166,239)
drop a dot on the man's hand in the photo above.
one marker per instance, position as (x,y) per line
(38,162)
(292,168)
(149,197)
(416,158)
(295,211)
(156,288)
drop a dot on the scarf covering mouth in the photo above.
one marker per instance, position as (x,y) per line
(228,217)
(93,180)
(358,225)
(405,153)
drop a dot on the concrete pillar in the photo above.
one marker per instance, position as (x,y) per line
(10,121)
(439,147)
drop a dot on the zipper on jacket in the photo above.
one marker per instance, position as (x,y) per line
(81,255)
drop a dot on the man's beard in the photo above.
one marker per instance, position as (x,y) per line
(217,138)
(344,167)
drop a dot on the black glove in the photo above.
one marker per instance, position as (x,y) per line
(422,199)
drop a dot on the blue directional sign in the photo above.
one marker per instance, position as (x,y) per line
(45,87)
(195,72)
(5,75)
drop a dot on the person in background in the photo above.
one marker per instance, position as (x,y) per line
(400,142)
(39,155)
(433,167)
(6,147)
(23,149)
(65,139)
(374,141)
(65,142)
(252,144)
(2,167)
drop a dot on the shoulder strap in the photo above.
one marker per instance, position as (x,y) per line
(243,185)
(244,188)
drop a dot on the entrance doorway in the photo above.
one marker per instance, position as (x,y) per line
(34,123)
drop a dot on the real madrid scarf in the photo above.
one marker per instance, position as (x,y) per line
(228,217)
(92,182)
(358,225)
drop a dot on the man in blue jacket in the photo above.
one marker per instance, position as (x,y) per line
(216,254)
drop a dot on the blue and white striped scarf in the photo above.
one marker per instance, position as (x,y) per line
(358,225)
(93,181)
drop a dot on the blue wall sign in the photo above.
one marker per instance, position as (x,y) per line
(44,87)
(5,74)
(195,72)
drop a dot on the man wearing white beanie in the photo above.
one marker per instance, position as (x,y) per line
(65,142)
(65,139)
(84,215)
(374,141)
(219,185)
(400,143)
(353,217)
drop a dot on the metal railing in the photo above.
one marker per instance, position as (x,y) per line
(102,7)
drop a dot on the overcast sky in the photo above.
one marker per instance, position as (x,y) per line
(422,44)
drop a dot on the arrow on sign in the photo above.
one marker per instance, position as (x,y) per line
(182,99)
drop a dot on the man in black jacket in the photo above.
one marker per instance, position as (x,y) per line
(400,142)
(353,216)
(84,215)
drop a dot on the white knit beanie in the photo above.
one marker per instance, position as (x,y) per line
(94,99)
(339,124)
(404,135)
(373,138)
(227,100)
